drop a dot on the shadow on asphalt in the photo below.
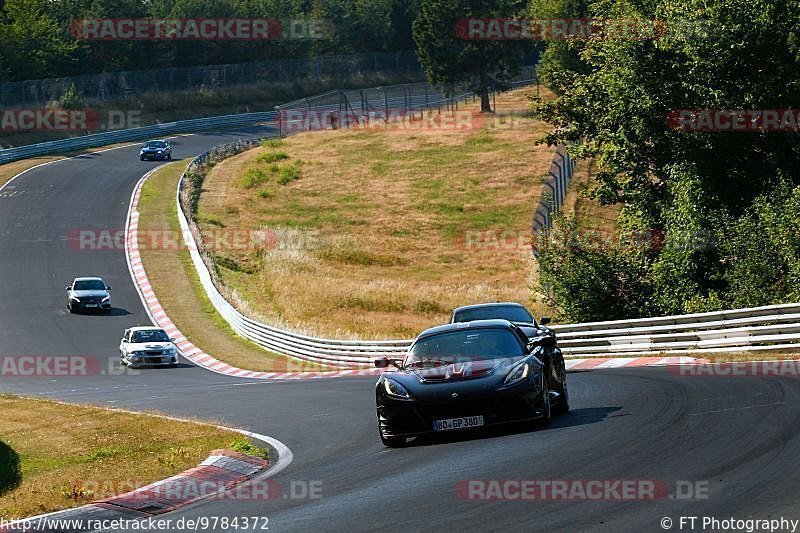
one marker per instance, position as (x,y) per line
(576,417)
(115,311)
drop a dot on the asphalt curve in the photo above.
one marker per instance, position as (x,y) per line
(737,437)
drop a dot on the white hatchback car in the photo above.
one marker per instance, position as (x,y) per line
(147,346)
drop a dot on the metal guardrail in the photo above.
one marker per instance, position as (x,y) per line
(347,353)
(133,134)
(760,328)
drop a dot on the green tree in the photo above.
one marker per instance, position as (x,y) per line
(560,55)
(687,184)
(32,40)
(479,64)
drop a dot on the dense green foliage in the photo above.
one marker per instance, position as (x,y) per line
(37,43)
(479,65)
(725,201)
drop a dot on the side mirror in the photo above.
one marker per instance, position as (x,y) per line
(67,288)
(385,362)
(108,289)
(546,341)
(544,320)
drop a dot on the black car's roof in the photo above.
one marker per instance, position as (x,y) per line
(489,304)
(475,324)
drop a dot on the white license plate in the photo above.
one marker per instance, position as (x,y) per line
(453,424)
(91,305)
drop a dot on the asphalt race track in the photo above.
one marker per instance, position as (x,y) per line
(739,437)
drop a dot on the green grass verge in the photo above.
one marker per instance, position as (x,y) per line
(178,288)
(54,466)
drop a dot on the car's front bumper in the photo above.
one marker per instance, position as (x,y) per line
(153,156)
(82,306)
(411,418)
(153,361)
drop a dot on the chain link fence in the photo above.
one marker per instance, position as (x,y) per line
(119,85)
(346,108)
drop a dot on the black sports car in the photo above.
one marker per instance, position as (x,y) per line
(551,356)
(511,311)
(465,376)
(156,150)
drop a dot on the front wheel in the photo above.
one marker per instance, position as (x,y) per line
(547,405)
(563,405)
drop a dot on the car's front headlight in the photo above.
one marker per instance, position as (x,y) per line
(75,298)
(395,390)
(518,373)
(170,351)
(107,298)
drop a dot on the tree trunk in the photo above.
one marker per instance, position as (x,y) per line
(486,104)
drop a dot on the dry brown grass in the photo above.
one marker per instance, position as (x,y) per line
(85,447)
(372,235)
(760,355)
(178,288)
(588,213)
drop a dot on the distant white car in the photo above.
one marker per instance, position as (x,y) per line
(147,346)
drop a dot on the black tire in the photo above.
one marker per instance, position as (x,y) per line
(169,157)
(141,158)
(70,308)
(563,405)
(548,403)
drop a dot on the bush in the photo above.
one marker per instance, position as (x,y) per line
(589,283)
(71,99)
(762,249)
(289,173)
(10,470)
(272,157)
(254,176)
(274,142)
(248,448)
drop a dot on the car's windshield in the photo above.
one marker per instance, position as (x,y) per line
(469,345)
(149,335)
(512,313)
(155,144)
(89,285)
